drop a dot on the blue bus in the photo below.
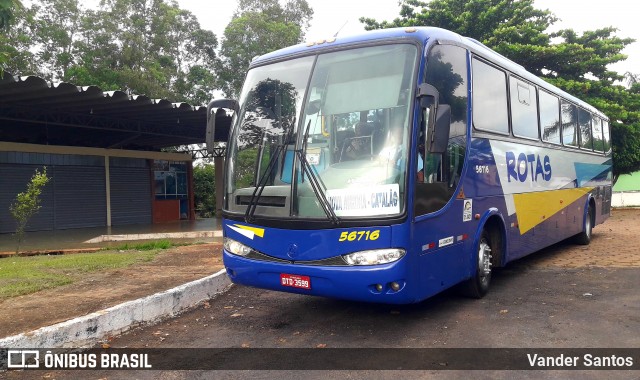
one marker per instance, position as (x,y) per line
(389,166)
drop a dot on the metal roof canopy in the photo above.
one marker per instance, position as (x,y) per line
(36,111)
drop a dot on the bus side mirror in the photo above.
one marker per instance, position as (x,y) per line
(428,95)
(212,109)
(440,134)
(437,137)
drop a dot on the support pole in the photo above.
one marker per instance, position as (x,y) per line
(107,181)
(218,163)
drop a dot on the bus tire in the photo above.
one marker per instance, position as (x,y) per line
(478,285)
(584,237)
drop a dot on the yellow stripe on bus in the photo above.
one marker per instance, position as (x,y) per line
(257,231)
(536,207)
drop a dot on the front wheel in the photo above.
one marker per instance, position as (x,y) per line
(478,285)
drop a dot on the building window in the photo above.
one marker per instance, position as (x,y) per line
(170,180)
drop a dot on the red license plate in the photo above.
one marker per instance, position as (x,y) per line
(295,281)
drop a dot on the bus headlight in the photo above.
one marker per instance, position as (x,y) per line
(236,247)
(374,257)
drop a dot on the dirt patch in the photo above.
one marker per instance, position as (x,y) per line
(173,267)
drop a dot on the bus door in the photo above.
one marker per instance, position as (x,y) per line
(443,228)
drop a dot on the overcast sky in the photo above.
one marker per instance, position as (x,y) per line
(330,15)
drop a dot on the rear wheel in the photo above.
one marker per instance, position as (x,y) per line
(584,237)
(478,285)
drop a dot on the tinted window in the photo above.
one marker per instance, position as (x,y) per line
(549,117)
(439,174)
(446,71)
(524,115)
(596,127)
(584,123)
(605,135)
(489,98)
(569,124)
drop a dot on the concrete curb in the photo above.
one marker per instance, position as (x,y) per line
(4,255)
(160,235)
(89,329)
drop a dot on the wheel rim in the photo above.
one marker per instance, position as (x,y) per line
(587,225)
(484,261)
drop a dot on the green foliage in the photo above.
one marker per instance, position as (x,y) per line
(148,246)
(632,79)
(25,275)
(8,8)
(57,31)
(147,47)
(245,168)
(488,21)
(258,27)
(577,63)
(27,203)
(204,190)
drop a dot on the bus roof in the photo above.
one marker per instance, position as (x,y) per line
(422,36)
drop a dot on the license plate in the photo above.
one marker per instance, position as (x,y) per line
(295,281)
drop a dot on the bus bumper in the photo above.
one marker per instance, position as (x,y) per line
(348,282)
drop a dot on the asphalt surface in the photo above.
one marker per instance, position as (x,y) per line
(528,306)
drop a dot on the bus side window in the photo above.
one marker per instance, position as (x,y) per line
(569,124)
(439,173)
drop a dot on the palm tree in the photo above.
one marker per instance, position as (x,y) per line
(632,78)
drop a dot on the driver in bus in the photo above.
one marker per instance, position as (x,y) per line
(360,145)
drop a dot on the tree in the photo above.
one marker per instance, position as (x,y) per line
(18,42)
(489,21)
(204,190)
(27,204)
(258,27)
(7,9)
(295,11)
(7,13)
(57,32)
(577,63)
(632,79)
(149,47)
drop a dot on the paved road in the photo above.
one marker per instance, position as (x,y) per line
(550,299)
(528,306)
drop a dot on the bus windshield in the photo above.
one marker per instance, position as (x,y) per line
(324,135)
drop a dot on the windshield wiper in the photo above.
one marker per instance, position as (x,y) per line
(257,192)
(262,183)
(316,183)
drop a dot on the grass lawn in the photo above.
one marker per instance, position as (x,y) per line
(24,275)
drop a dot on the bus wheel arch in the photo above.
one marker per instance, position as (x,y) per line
(488,253)
(495,226)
